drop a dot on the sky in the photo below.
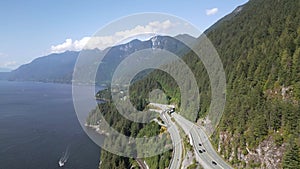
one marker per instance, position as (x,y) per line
(34,28)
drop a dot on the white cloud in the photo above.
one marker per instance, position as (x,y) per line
(62,47)
(211,11)
(103,42)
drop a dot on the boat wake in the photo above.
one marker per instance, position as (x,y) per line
(64,158)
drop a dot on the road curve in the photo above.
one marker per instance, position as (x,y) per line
(176,141)
(175,136)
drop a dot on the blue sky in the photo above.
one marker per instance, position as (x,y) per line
(29,28)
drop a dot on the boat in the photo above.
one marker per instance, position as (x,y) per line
(64,158)
(61,163)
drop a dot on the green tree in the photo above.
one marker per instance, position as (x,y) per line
(291,159)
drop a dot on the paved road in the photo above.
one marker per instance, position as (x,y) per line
(175,136)
(199,136)
(141,164)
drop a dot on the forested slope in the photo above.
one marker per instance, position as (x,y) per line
(259,45)
(260,50)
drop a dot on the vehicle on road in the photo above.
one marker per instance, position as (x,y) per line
(204,150)
(200,151)
(200,144)
(214,163)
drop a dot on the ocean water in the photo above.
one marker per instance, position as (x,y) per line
(38,124)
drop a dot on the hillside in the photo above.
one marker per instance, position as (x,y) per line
(260,50)
(51,68)
(259,45)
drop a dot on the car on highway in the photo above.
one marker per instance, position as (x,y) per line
(200,151)
(214,163)
(204,150)
(200,144)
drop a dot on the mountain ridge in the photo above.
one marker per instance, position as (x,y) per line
(58,67)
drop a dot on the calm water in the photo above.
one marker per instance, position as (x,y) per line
(37,124)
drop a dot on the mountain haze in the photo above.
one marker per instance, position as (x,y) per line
(59,67)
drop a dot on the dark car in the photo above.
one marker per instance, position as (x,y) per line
(214,163)
(204,150)
(200,151)
(200,144)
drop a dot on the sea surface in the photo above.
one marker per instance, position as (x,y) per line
(37,126)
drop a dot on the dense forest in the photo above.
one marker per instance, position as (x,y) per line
(259,45)
(260,50)
(129,128)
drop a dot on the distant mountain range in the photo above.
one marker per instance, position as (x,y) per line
(5,69)
(59,67)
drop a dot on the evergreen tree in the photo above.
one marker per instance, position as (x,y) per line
(291,159)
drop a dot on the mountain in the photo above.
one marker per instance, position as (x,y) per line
(259,45)
(59,67)
(5,69)
(117,53)
(228,17)
(51,68)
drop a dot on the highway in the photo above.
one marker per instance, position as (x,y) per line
(208,157)
(198,136)
(175,136)
(141,163)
